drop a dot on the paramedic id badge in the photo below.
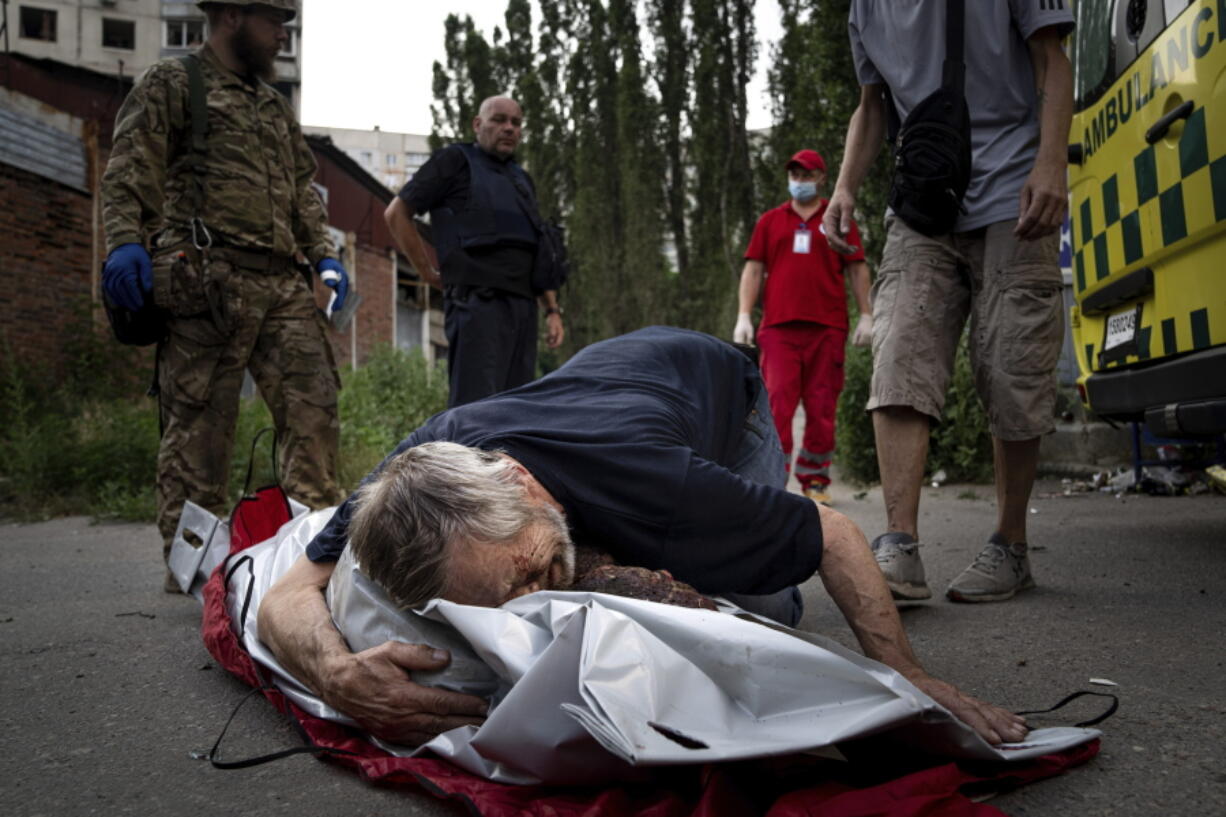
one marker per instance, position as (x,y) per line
(801,240)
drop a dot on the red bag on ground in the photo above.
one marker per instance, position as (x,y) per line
(791,786)
(259,516)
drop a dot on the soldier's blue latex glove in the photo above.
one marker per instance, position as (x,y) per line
(127,275)
(333,274)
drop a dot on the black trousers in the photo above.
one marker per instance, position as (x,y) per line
(491,337)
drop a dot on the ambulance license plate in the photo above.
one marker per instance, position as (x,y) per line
(1122,328)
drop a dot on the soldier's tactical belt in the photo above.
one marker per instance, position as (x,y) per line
(252,260)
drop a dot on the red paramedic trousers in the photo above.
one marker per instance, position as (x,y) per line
(803,362)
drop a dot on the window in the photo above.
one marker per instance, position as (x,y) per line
(416,159)
(118,34)
(290,49)
(1174,8)
(1110,36)
(38,24)
(1092,50)
(368,158)
(184,33)
(391,160)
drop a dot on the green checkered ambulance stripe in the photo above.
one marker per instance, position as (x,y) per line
(1110,237)
(1166,344)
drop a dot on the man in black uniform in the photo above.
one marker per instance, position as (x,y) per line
(487,230)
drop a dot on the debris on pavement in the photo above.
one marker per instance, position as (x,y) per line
(1123,480)
(1156,480)
(1216,476)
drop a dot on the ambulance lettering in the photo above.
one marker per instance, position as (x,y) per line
(1170,56)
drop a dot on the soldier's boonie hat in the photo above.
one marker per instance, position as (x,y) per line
(289,7)
(808,159)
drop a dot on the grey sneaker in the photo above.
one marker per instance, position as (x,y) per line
(898,557)
(999,572)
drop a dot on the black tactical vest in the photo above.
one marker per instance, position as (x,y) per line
(495,214)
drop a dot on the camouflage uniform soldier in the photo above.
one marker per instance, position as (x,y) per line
(239,304)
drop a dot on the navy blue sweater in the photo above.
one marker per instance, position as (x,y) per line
(633,437)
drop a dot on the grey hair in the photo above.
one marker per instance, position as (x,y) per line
(427,500)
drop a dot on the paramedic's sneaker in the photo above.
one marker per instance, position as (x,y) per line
(898,557)
(817,494)
(999,571)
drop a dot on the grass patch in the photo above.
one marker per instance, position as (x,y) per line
(69,448)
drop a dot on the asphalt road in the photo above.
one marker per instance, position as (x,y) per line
(107,689)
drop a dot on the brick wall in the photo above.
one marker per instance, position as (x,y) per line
(46,261)
(376,279)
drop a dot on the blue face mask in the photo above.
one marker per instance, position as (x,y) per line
(802,191)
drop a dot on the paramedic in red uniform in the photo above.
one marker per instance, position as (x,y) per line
(804,316)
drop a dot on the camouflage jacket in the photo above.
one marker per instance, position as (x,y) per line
(258,169)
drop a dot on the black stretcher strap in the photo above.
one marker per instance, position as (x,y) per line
(258,760)
(242,616)
(1115,704)
(255,441)
(310,746)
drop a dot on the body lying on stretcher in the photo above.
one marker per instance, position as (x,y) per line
(587,686)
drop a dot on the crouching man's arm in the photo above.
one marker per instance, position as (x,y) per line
(373,686)
(854,581)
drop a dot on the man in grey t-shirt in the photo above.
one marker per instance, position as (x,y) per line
(999,265)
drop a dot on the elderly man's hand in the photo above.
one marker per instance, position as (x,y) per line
(995,725)
(373,687)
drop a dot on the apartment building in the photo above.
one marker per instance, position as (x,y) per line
(390,157)
(124,37)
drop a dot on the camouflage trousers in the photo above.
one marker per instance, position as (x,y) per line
(271,327)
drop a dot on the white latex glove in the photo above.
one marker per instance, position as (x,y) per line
(863,336)
(743,332)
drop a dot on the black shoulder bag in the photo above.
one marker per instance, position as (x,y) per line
(932,155)
(147,325)
(552,266)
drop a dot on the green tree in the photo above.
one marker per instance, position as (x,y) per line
(594,222)
(640,169)
(549,139)
(722,209)
(671,71)
(468,77)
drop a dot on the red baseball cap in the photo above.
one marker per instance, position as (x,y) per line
(808,159)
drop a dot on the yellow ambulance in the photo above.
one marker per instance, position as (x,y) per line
(1147,184)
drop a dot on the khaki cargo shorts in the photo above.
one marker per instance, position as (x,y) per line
(1012,292)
